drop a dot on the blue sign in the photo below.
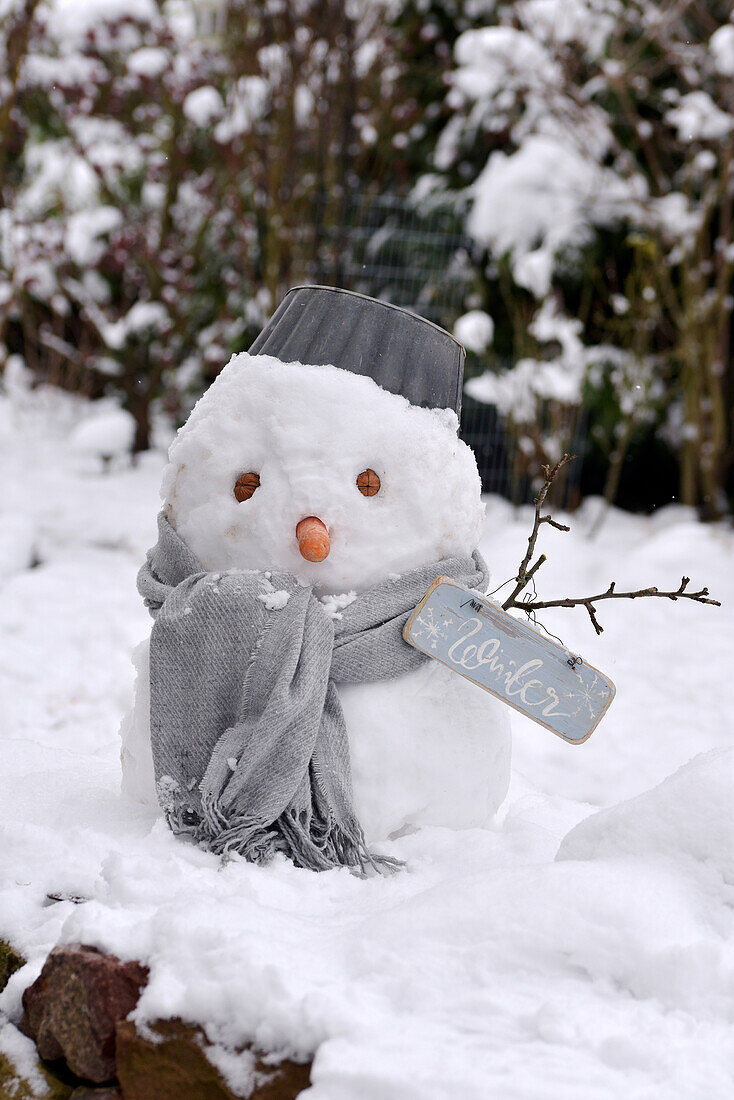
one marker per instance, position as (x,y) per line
(473,636)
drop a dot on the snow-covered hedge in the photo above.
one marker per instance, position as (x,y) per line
(159,189)
(593,144)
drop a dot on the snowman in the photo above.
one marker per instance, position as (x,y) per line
(316,490)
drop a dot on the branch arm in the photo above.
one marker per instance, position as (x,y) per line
(611,593)
(523,576)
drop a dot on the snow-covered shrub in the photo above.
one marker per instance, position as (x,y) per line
(592,143)
(111,254)
(106,434)
(160,190)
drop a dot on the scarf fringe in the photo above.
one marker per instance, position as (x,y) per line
(320,846)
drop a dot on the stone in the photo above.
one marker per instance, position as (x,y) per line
(176,1066)
(10,961)
(13,1084)
(73,1006)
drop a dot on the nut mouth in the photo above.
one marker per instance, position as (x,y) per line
(313,539)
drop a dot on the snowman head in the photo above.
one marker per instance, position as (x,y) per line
(320,472)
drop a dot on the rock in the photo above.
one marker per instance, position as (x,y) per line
(177,1067)
(14,1084)
(72,1008)
(10,961)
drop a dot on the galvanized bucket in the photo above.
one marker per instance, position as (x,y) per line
(402,352)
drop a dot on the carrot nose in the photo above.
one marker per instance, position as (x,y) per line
(313,539)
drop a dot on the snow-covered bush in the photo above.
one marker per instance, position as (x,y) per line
(160,190)
(107,434)
(112,235)
(592,142)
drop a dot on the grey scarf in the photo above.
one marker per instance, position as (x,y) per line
(249,742)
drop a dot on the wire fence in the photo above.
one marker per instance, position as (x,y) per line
(417,256)
(390,248)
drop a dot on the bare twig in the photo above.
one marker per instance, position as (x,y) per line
(611,594)
(526,571)
(523,575)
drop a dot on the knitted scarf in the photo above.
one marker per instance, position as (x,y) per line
(248,736)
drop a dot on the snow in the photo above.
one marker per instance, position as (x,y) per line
(83,232)
(104,147)
(274,599)
(651,826)
(203,106)
(475,330)
(23,1056)
(561,21)
(697,118)
(489,967)
(246,103)
(150,61)
(515,392)
(721,45)
(73,19)
(141,317)
(334,603)
(532,202)
(107,431)
(556,183)
(495,59)
(57,171)
(520,391)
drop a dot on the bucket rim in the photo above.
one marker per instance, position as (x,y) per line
(376,301)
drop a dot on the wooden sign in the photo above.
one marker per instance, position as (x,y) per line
(473,636)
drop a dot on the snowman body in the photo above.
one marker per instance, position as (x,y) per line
(428,747)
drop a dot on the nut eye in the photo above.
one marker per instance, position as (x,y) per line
(368,483)
(245,486)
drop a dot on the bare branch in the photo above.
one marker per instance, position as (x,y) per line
(533,569)
(592,615)
(553,523)
(611,593)
(523,576)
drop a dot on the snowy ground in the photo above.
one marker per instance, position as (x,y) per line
(497,965)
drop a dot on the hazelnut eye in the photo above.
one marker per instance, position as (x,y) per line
(368,483)
(245,486)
